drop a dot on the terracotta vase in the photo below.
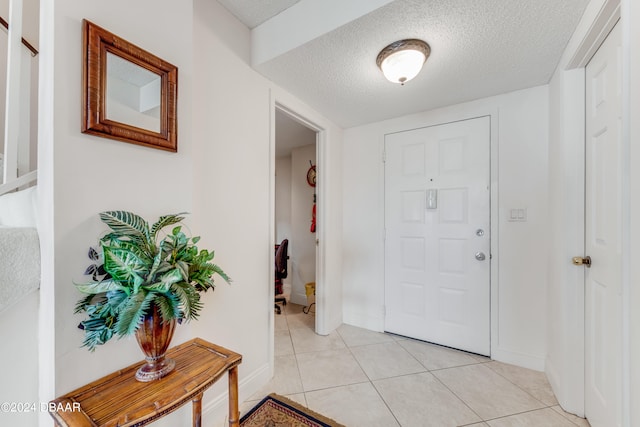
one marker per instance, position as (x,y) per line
(154,336)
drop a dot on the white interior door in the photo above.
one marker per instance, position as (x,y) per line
(437,245)
(603,321)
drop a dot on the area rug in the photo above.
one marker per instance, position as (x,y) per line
(278,411)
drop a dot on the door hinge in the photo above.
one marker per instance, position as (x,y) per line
(384,156)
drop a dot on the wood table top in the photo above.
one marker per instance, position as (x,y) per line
(120,400)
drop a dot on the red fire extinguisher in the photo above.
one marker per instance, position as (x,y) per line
(311,180)
(313,215)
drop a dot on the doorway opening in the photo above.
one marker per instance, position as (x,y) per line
(294,212)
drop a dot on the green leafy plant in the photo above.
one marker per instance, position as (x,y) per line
(135,268)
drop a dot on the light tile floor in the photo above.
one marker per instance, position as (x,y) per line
(370,379)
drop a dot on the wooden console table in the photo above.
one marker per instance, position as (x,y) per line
(120,400)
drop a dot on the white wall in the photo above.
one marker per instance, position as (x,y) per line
(565,349)
(302,245)
(283,198)
(19,357)
(519,180)
(92,174)
(283,210)
(233,113)
(222,173)
(231,126)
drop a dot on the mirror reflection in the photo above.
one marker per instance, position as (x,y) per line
(133,94)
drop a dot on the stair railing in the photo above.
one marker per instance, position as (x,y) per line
(10,179)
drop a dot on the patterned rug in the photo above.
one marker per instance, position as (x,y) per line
(278,411)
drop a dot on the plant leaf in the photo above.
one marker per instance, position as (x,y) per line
(132,313)
(115,300)
(172,276)
(220,273)
(99,287)
(124,223)
(183,268)
(93,254)
(165,221)
(157,259)
(169,306)
(126,265)
(189,298)
(83,303)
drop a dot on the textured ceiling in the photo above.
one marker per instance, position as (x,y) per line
(479,48)
(129,72)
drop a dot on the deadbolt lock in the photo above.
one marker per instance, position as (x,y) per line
(586,261)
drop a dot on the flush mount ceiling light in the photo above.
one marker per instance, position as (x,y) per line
(402,60)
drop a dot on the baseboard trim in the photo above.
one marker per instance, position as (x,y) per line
(519,359)
(298,298)
(364,321)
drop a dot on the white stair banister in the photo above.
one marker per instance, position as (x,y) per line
(12,105)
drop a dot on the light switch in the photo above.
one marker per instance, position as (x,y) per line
(518,214)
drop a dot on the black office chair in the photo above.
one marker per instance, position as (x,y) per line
(280,273)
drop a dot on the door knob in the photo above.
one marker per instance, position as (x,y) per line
(586,261)
(480,256)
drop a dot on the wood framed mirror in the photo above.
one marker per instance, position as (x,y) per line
(129,94)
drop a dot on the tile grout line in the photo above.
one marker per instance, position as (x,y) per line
(295,355)
(521,388)
(526,412)
(440,381)
(456,395)
(371,381)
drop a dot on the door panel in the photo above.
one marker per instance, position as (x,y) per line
(603,322)
(436,198)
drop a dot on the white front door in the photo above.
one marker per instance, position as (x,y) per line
(437,244)
(603,320)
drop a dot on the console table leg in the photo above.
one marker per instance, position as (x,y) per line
(197,410)
(234,414)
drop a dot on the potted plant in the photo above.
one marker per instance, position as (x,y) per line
(143,281)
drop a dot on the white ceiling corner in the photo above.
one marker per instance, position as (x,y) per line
(479,48)
(303,22)
(254,12)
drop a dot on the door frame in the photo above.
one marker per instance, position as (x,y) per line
(609,14)
(324,322)
(320,258)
